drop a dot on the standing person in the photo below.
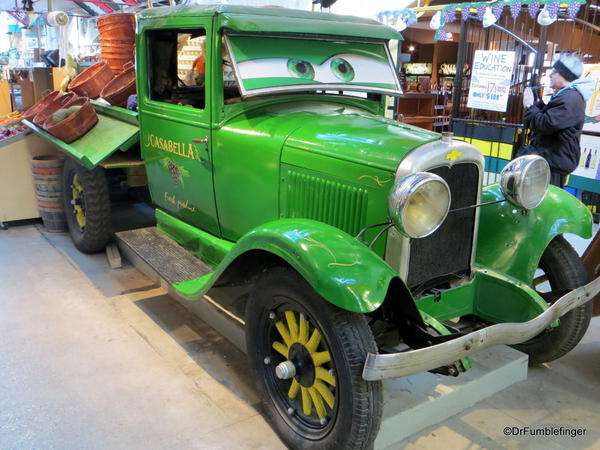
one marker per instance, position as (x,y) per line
(556,126)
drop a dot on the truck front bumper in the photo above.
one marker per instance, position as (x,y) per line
(393,365)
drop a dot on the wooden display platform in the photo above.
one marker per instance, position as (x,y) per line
(414,403)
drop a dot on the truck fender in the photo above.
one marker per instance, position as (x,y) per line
(511,240)
(340,268)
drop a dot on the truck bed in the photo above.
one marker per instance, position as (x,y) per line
(117,129)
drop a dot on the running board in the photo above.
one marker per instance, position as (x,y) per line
(166,257)
(167,263)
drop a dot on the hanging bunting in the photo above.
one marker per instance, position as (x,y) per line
(398,19)
(545,18)
(533,8)
(553,9)
(515,9)
(464,13)
(436,21)
(573,9)
(20,16)
(489,18)
(487,12)
(450,14)
(497,10)
(481,11)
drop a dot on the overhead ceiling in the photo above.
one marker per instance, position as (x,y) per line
(85,7)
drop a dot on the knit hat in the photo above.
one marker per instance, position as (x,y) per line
(569,66)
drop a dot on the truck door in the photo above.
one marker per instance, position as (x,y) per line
(175,120)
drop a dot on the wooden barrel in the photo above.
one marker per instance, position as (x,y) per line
(47,176)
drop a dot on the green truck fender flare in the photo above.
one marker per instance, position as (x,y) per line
(511,241)
(341,269)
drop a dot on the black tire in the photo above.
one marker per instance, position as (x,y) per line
(94,201)
(564,270)
(353,421)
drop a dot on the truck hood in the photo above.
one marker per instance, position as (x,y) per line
(354,135)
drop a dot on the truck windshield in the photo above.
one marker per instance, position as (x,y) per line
(268,65)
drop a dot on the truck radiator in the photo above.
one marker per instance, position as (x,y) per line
(448,250)
(312,197)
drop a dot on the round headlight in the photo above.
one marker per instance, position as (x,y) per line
(524,181)
(419,203)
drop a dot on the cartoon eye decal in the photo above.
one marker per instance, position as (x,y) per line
(301,69)
(342,69)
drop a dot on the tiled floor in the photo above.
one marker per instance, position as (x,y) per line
(93,358)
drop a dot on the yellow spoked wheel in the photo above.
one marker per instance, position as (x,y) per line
(87,206)
(77,202)
(307,366)
(307,356)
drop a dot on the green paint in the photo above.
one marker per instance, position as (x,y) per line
(314,51)
(124,115)
(337,266)
(205,246)
(107,136)
(512,241)
(493,296)
(267,82)
(298,176)
(190,289)
(277,20)
(440,328)
(270,63)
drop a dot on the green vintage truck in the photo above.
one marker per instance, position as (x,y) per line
(365,249)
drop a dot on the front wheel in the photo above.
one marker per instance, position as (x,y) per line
(307,357)
(562,269)
(87,206)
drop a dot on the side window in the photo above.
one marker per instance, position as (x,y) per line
(176,63)
(231,89)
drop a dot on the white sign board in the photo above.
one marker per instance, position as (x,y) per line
(490,80)
(592,109)
(589,163)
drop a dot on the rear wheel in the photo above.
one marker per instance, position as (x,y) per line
(308,357)
(562,270)
(87,206)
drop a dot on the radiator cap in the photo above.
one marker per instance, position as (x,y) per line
(447,136)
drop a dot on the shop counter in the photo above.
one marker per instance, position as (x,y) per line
(17,191)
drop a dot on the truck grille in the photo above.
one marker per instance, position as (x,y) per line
(326,200)
(448,250)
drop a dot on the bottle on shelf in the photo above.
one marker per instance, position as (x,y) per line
(582,158)
(588,160)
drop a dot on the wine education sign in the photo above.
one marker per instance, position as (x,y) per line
(490,80)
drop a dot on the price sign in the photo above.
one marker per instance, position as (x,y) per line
(490,80)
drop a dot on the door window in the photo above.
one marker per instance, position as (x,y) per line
(177,61)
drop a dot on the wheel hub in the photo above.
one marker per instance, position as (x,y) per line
(303,362)
(285,370)
(77,201)
(307,364)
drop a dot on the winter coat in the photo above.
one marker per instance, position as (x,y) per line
(564,111)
